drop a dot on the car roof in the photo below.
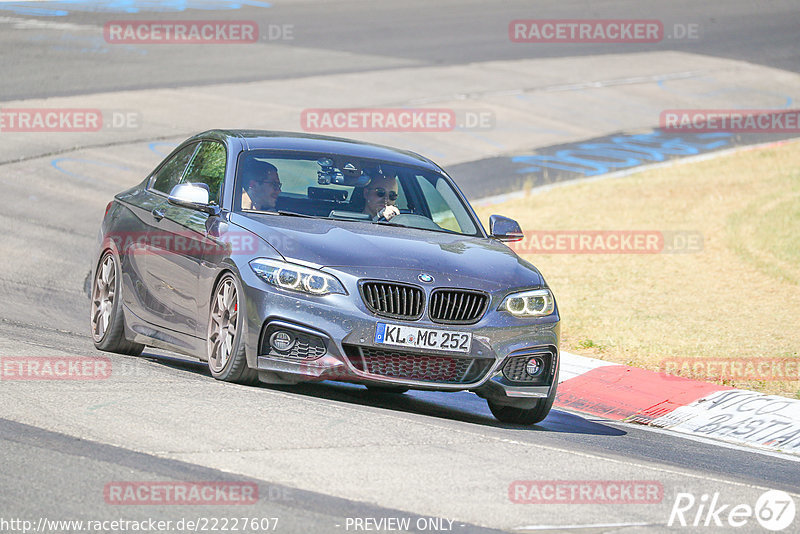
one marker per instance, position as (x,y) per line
(303,142)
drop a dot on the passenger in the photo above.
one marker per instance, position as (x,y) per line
(262,186)
(380,195)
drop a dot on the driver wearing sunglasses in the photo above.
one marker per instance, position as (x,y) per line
(380,196)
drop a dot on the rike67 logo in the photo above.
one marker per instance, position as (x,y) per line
(774,510)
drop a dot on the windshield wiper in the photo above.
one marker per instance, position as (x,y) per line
(294,214)
(442,230)
(388,223)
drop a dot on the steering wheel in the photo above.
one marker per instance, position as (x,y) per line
(402,212)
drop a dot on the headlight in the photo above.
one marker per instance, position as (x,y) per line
(296,277)
(533,303)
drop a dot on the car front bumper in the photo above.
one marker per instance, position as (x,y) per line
(344,324)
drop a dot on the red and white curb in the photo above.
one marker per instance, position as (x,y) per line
(623,393)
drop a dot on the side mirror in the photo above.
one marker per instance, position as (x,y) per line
(504,229)
(193,196)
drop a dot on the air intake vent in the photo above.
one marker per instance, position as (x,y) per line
(420,367)
(515,368)
(304,346)
(457,306)
(394,300)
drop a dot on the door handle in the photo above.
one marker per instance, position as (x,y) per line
(158,214)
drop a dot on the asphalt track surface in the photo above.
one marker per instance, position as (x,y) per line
(445,32)
(323,453)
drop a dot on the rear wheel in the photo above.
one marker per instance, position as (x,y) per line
(226,350)
(108,323)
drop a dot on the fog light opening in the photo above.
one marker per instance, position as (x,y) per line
(281,340)
(535,366)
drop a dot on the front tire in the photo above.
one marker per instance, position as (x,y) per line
(227,360)
(107,320)
(520,416)
(525,416)
(395,390)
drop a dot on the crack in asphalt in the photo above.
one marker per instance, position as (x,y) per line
(79,148)
(33,326)
(39,286)
(630,80)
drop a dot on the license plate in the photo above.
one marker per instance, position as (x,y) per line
(422,338)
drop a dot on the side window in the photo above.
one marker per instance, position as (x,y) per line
(442,201)
(170,174)
(208,167)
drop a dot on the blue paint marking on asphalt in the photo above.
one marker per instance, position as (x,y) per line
(622,152)
(56,164)
(159,144)
(62,8)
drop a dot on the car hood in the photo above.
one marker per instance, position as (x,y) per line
(364,248)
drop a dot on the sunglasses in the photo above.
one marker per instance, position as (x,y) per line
(381,192)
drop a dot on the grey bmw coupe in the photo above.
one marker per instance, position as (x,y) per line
(282,258)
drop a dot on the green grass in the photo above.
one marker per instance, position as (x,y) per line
(739,297)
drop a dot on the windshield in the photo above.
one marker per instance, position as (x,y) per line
(348,188)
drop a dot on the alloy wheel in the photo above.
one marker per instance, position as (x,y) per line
(103,297)
(223,325)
